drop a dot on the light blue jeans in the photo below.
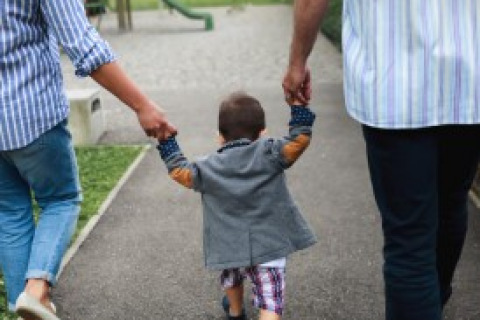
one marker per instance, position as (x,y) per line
(47,167)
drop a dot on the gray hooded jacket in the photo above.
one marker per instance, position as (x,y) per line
(249,214)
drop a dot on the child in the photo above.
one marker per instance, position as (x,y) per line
(251,223)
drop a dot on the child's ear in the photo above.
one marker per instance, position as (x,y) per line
(220,138)
(263,132)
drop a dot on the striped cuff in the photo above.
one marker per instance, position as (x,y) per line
(168,147)
(301,116)
(94,52)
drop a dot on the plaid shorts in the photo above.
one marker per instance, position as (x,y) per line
(268,285)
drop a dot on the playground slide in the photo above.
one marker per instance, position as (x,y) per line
(189,13)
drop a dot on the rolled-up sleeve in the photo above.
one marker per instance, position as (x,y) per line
(78,38)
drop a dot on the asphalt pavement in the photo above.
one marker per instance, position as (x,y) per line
(144,259)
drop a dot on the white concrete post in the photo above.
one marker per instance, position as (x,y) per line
(86,120)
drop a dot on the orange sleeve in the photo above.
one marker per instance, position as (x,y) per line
(294,149)
(182,176)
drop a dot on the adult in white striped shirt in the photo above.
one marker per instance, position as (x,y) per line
(412,79)
(35,146)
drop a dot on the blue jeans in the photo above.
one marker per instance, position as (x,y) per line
(47,170)
(421,180)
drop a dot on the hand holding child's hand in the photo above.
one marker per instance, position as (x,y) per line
(297,85)
(296,102)
(154,121)
(162,137)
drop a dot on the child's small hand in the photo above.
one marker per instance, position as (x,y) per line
(161,138)
(296,102)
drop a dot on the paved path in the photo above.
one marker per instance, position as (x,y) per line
(144,259)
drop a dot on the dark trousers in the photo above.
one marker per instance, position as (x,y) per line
(421,180)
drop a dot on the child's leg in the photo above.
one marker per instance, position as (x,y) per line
(232,284)
(235,298)
(269,315)
(268,291)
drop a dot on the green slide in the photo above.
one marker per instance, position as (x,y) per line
(187,12)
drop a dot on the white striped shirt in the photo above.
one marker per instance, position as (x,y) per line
(412,63)
(32,99)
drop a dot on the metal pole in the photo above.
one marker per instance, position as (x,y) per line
(121,15)
(129,14)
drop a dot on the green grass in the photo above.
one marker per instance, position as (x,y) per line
(226,3)
(332,23)
(138,4)
(100,168)
(3,304)
(154,4)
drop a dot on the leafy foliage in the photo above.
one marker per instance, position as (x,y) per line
(332,23)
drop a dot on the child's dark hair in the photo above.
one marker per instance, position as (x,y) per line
(240,116)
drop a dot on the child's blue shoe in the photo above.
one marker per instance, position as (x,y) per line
(226,308)
(225,304)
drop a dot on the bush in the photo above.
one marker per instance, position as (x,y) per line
(332,23)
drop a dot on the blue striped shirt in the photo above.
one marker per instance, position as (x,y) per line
(32,98)
(412,63)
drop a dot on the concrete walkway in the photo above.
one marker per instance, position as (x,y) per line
(144,259)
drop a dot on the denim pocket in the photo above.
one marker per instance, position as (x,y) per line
(58,134)
(50,167)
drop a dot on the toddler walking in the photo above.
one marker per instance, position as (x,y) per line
(251,223)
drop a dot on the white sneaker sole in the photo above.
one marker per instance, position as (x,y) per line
(28,307)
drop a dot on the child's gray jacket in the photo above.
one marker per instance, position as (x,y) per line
(249,214)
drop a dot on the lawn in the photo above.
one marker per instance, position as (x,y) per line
(154,4)
(100,169)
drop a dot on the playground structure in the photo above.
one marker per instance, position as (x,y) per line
(124,12)
(95,8)
(189,13)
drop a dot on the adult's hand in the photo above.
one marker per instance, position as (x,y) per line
(297,85)
(153,121)
(151,117)
(307,15)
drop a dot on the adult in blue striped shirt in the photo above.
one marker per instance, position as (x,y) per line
(412,79)
(35,146)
